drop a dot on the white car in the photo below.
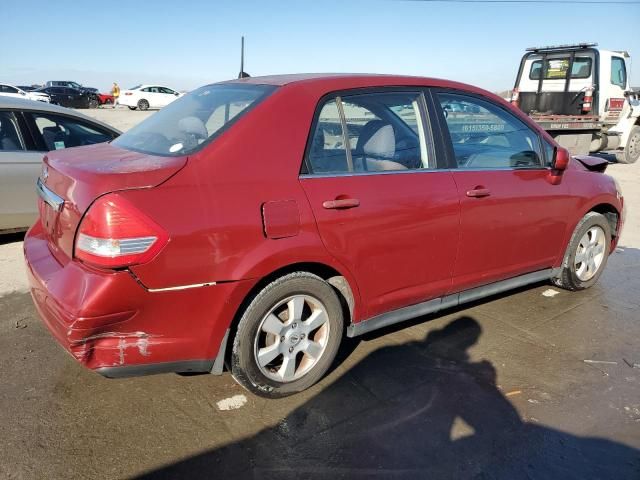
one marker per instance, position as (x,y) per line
(148,96)
(15,92)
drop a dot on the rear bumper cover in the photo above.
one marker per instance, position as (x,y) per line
(111,323)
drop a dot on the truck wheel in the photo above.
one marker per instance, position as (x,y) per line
(631,151)
(587,253)
(288,336)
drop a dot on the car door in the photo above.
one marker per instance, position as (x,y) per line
(155,97)
(513,218)
(58,96)
(19,169)
(382,206)
(166,96)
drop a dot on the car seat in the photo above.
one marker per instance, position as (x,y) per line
(376,148)
(51,135)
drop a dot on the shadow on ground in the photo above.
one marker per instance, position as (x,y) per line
(430,413)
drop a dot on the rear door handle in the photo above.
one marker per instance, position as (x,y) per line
(478,192)
(341,203)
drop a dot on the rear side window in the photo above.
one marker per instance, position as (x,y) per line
(58,132)
(556,68)
(186,125)
(10,140)
(484,136)
(378,132)
(618,72)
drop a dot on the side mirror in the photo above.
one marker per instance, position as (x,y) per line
(22,93)
(561,158)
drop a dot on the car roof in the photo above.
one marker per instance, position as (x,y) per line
(32,105)
(320,84)
(339,81)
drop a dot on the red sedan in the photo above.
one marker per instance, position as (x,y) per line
(254,223)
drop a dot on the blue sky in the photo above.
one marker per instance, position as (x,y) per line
(185,44)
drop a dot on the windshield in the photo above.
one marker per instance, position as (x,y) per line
(193,120)
(135,88)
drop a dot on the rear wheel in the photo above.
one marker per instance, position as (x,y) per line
(288,336)
(631,151)
(143,104)
(587,253)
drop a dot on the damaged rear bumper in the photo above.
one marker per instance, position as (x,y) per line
(112,324)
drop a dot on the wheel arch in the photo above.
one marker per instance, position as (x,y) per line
(335,278)
(613,216)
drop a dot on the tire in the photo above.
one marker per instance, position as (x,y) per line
(143,104)
(631,151)
(132,108)
(94,103)
(291,340)
(577,275)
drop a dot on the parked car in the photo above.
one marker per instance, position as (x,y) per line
(105,98)
(69,84)
(29,88)
(147,96)
(16,92)
(70,97)
(212,234)
(29,129)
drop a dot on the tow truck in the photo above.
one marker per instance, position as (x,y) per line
(582,96)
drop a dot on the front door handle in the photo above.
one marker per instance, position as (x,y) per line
(341,203)
(479,192)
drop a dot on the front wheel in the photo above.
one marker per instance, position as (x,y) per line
(587,253)
(631,151)
(132,108)
(94,103)
(288,336)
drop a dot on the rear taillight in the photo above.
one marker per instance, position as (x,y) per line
(587,101)
(113,233)
(515,97)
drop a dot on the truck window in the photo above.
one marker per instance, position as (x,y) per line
(618,72)
(557,68)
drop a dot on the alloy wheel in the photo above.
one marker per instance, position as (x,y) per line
(590,253)
(291,338)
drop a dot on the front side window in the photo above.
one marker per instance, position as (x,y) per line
(557,68)
(10,140)
(193,120)
(618,72)
(60,132)
(484,136)
(369,133)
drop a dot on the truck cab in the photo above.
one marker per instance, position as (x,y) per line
(580,94)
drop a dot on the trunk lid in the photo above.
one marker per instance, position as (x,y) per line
(80,175)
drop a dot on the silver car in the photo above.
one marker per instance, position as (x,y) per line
(28,130)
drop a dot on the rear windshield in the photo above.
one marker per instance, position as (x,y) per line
(556,68)
(190,122)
